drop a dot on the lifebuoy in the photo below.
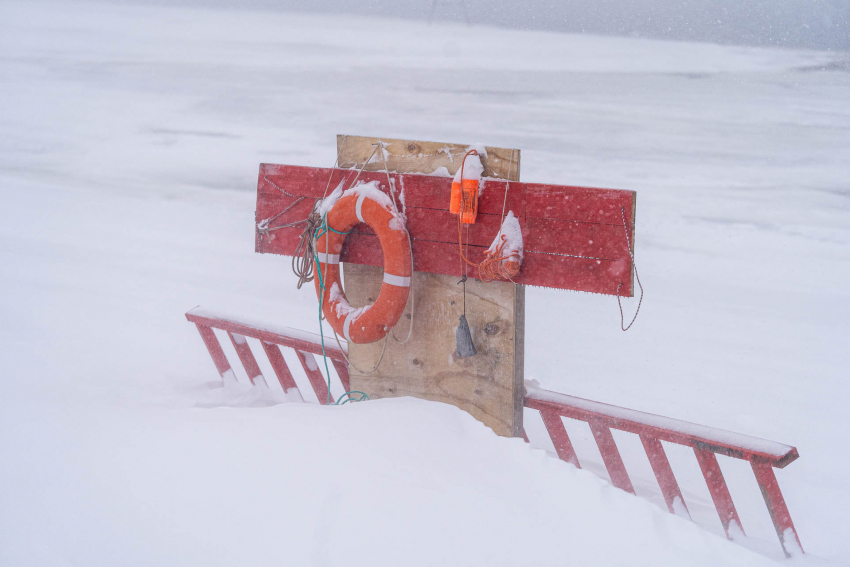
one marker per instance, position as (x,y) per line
(368,204)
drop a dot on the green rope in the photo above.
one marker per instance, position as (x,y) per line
(347,396)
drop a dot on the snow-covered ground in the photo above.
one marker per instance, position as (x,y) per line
(129,145)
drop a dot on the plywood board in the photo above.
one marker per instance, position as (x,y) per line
(410,156)
(488,385)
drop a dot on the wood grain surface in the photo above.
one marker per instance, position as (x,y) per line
(423,157)
(488,385)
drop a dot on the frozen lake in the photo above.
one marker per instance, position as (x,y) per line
(131,138)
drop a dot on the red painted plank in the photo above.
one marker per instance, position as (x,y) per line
(776,507)
(590,240)
(663,474)
(214,348)
(559,436)
(574,236)
(611,455)
(583,204)
(544,270)
(315,376)
(719,491)
(247,358)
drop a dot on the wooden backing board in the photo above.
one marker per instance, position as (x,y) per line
(488,385)
(408,156)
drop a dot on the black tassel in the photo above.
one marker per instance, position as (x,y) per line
(465,348)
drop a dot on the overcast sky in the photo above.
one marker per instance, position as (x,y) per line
(819,24)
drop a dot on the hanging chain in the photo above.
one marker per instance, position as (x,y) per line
(637,277)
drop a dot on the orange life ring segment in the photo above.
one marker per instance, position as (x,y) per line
(371,323)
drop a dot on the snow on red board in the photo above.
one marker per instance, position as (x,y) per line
(574,237)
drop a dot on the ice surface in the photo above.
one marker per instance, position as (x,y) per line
(128,166)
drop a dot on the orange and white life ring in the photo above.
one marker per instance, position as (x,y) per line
(368,204)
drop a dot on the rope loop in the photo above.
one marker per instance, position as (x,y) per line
(498,265)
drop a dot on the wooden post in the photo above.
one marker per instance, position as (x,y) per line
(488,385)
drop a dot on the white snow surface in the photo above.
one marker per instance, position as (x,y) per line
(342,308)
(128,161)
(372,190)
(326,204)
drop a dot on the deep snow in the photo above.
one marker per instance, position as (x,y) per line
(129,150)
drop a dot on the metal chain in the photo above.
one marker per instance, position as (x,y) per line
(272,183)
(637,277)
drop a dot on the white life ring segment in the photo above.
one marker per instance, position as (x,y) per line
(370,325)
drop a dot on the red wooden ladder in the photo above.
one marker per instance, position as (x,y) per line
(706,442)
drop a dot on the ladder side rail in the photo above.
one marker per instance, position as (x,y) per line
(706,443)
(304,342)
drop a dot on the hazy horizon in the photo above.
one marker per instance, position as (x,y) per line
(812,24)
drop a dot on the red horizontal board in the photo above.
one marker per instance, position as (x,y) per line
(544,270)
(592,240)
(574,237)
(581,204)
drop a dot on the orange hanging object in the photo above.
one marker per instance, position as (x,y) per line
(464,199)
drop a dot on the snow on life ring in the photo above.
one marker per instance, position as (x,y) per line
(363,203)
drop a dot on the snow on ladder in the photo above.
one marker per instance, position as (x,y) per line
(304,344)
(652,429)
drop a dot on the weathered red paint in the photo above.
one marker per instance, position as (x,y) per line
(652,428)
(775,503)
(574,237)
(303,343)
(281,370)
(315,377)
(663,473)
(560,439)
(214,348)
(243,351)
(718,490)
(611,455)
(642,423)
